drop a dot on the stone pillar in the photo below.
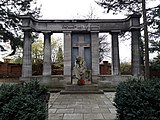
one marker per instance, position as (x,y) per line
(67,56)
(95,56)
(47,58)
(27,57)
(115,53)
(47,54)
(135,51)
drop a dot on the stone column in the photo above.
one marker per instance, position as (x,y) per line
(67,56)
(135,51)
(95,56)
(27,57)
(47,57)
(115,53)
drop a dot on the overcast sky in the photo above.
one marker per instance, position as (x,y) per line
(68,9)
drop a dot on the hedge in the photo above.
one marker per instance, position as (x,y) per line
(138,99)
(23,102)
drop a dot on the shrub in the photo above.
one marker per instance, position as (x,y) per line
(138,100)
(125,68)
(23,102)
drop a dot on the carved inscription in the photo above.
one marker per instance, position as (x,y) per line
(81,44)
(80,27)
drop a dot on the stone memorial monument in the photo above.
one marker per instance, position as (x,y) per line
(81,39)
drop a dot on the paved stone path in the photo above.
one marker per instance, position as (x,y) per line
(81,106)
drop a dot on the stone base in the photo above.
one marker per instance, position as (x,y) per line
(84,89)
(112,80)
(81,92)
(25,79)
(91,87)
(52,81)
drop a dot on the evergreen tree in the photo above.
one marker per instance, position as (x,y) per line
(135,6)
(10,23)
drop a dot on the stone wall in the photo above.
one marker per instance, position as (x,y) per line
(105,68)
(10,70)
(15,70)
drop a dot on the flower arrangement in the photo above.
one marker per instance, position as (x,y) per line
(81,82)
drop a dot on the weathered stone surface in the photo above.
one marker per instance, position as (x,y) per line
(102,25)
(84,107)
(136,52)
(95,53)
(93,27)
(83,89)
(91,87)
(94,116)
(47,54)
(65,111)
(67,53)
(115,53)
(73,116)
(27,63)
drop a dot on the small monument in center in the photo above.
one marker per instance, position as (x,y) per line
(81,58)
(79,70)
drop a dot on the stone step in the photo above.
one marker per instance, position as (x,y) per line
(84,89)
(82,92)
(75,87)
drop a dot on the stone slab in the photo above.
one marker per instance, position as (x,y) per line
(84,89)
(81,92)
(93,116)
(73,116)
(81,106)
(91,87)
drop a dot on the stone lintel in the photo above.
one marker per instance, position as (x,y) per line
(135,28)
(46,32)
(115,31)
(135,15)
(27,28)
(67,31)
(102,25)
(95,31)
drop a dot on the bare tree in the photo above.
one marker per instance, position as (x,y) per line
(103,47)
(103,43)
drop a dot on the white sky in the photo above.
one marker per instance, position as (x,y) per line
(68,9)
(72,9)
